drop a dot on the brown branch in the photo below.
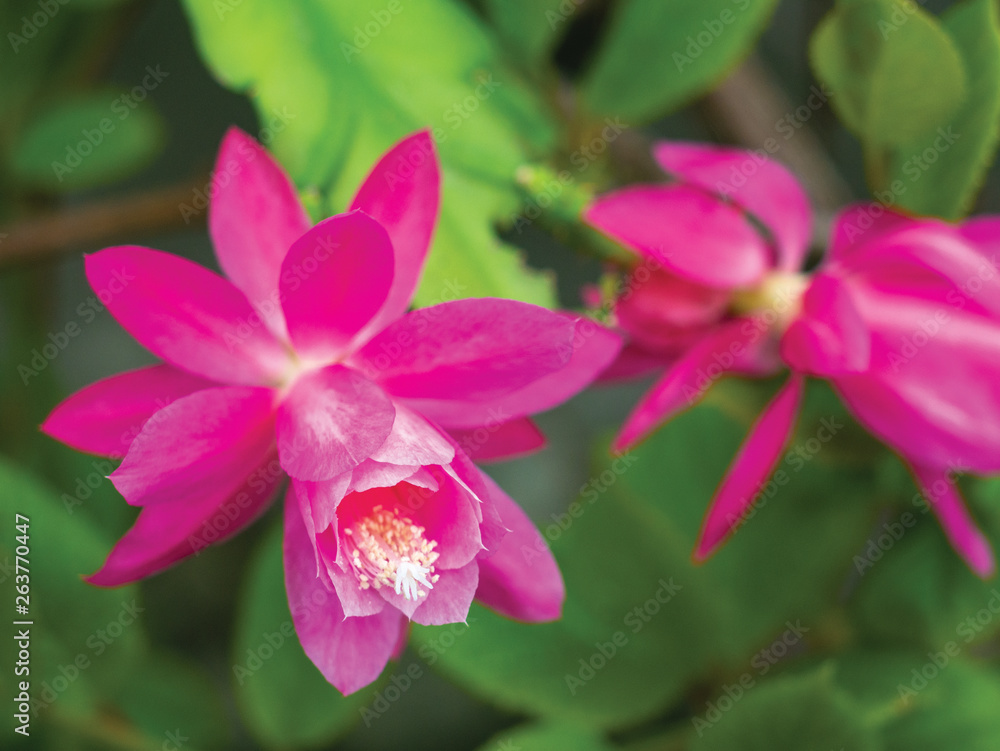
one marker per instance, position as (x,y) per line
(96,224)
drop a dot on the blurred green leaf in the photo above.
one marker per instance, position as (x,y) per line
(925,701)
(621,654)
(549,736)
(658,55)
(941,174)
(803,712)
(284,699)
(87,141)
(168,699)
(530,28)
(894,72)
(336,84)
(913,588)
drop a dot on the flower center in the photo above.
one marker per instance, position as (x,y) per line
(778,297)
(389,550)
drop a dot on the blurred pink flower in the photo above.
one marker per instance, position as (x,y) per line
(305,362)
(903,319)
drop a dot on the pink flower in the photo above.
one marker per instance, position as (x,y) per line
(304,362)
(722,241)
(903,319)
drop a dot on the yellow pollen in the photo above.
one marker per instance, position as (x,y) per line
(388,550)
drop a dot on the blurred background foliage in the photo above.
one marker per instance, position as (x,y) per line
(837,618)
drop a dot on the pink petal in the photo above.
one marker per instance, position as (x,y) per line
(696,235)
(932,391)
(333,280)
(106,416)
(752,466)
(165,533)
(213,437)
(592,349)
(666,313)
(253,218)
(859,224)
(449,600)
(955,519)
(186,315)
(926,260)
(402,193)
(760,185)
(983,233)
(331,421)
(472,479)
(726,349)
(317,504)
(634,362)
(414,441)
(828,336)
(350,652)
(496,442)
(372,474)
(476,349)
(521,580)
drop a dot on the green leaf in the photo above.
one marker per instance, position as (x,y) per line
(284,699)
(913,588)
(941,174)
(549,736)
(925,701)
(602,665)
(805,712)
(530,28)
(168,699)
(659,55)
(336,84)
(621,653)
(87,141)
(894,72)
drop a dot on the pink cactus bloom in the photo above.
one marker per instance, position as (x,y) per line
(305,362)
(902,318)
